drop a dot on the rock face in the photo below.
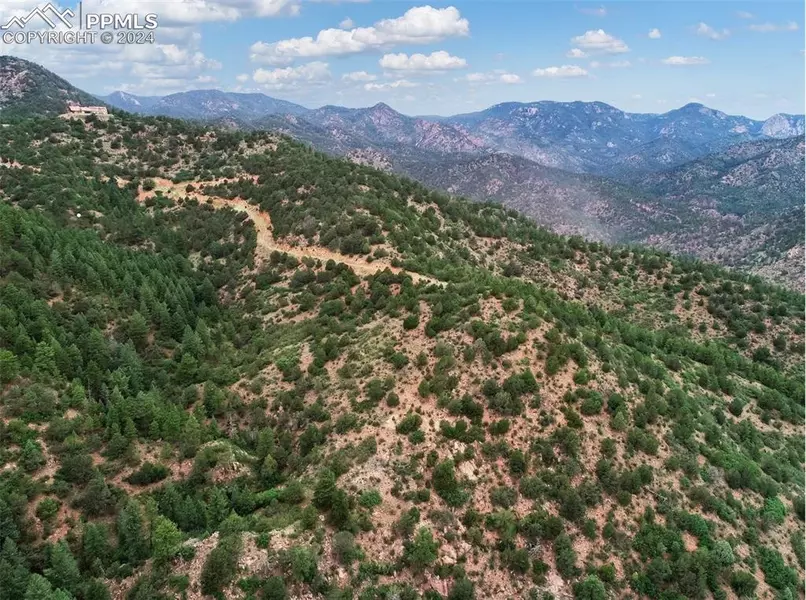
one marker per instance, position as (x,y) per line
(782,126)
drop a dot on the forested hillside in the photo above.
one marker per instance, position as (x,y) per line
(235,367)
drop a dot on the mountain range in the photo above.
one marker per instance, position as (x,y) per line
(581,168)
(588,137)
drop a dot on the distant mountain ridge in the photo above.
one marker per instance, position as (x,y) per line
(584,137)
(204,105)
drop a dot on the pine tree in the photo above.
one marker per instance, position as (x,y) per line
(131,537)
(63,571)
(13,572)
(165,539)
(38,588)
(95,548)
(9,366)
(325,490)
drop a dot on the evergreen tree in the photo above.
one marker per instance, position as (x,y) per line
(325,490)
(63,571)
(165,539)
(131,537)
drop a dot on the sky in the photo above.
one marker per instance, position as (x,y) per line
(441,58)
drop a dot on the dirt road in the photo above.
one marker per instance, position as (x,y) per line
(266,243)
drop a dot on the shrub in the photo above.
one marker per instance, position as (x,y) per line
(446,486)
(743,583)
(410,422)
(591,588)
(421,552)
(148,473)
(344,548)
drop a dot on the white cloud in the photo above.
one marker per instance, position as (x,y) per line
(685,60)
(614,64)
(498,76)
(705,30)
(359,76)
(436,61)
(510,78)
(191,12)
(175,62)
(772,27)
(743,14)
(654,34)
(561,72)
(599,41)
(419,25)
(595,12)
(242,78)
(313,73)
(382,87)
(576,53)
(346,24)
(710,95)
(636,96)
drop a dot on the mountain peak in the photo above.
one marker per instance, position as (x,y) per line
(383,107)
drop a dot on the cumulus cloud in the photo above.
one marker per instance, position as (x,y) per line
(436,61)
(346,24)
(175,62)
(564,71)
(772,27)
(419,25)
(510,78)
(498,76)
(743,14)
(685,60)
(359,76)
(242,78)
(654,34)
(393,85)
(576,53)
(313,73)
(599,41)
(705,30)
(191,12)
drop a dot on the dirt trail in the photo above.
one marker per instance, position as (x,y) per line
(266,243)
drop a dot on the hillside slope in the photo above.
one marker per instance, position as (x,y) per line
(463,406)
(742,207)
(27,89)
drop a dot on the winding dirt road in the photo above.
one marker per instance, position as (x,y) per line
(266,243)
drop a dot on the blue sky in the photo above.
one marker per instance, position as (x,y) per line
(451,57)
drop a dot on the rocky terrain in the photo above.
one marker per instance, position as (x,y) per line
(27,89)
